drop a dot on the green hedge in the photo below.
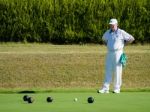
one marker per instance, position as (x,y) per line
(71,21)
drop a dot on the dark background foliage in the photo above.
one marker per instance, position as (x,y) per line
(71,21)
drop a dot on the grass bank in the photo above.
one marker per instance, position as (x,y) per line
(45,66)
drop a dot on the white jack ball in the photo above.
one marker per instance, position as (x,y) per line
(76,99)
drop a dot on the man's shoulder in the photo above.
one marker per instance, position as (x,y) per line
(120,30)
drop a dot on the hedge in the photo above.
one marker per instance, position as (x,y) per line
(71,21)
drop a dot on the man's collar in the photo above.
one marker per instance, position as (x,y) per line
(113,31)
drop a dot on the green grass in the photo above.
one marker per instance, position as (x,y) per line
(46,66)
(124,102)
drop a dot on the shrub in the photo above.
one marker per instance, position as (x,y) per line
(67,21)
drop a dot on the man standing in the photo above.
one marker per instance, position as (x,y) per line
(115,39)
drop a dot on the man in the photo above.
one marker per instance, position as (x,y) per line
(115,39)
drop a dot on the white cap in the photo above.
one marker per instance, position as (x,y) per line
(113,21)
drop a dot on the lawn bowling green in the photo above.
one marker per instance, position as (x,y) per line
(123,102)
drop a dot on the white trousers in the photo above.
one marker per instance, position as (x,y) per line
(113,70)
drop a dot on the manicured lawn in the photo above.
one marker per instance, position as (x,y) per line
(64,102)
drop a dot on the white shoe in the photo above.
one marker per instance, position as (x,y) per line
(116,91)
(103,91)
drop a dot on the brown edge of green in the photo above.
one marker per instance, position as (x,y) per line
(66,90)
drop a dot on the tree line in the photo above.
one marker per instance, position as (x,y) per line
(71,21)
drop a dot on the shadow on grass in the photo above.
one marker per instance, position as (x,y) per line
(27,91)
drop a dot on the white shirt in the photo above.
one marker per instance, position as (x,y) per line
(115,40)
